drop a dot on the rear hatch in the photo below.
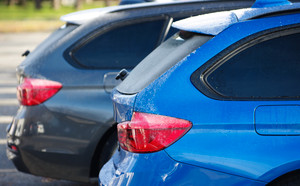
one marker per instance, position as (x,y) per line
(161,60)
(155,65)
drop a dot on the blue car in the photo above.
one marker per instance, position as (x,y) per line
(216,104)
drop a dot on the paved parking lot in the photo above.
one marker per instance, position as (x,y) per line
(11,48)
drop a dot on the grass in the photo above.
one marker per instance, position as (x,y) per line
(25,19)
(46,13)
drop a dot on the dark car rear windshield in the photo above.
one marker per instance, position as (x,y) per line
(160,60)
(48,43)
(55,36)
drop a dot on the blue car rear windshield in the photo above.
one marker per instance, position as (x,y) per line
(160,60)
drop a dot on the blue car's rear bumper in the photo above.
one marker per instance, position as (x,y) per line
(127,168)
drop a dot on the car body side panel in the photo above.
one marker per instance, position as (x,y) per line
(127,168)
(223,135)
(63,130)
(283,120)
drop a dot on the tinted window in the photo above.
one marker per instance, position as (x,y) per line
(160,60)
(121,47)
(270,69)
(56,36)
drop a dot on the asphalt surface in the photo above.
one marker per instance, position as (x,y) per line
(11,48)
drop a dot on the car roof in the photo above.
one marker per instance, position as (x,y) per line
(214,23)
(83,16)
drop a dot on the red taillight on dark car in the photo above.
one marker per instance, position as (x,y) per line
(36,91)
(151,133)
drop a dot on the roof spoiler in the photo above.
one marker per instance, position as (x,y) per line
(214,23)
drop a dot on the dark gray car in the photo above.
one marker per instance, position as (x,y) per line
(64,127)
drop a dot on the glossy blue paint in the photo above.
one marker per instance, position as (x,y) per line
(277,120)
(165,89)
(225,134)
(127,168)
(269,3)
(123,106)
(215,23)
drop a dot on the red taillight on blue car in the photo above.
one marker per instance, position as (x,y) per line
(36,91)
(151,133)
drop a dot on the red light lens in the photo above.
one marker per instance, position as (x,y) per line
(151,133)
(36,91)
(14,148)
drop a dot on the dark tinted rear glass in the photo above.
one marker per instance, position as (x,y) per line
(270,69)
(51,41)
(159,61)
(55,36)
(122,47)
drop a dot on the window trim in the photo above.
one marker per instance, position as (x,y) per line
(198,77)
(68,54)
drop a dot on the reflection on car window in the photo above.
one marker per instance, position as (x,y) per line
(270,69)
(53,38)
(162,59)
(122,47)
